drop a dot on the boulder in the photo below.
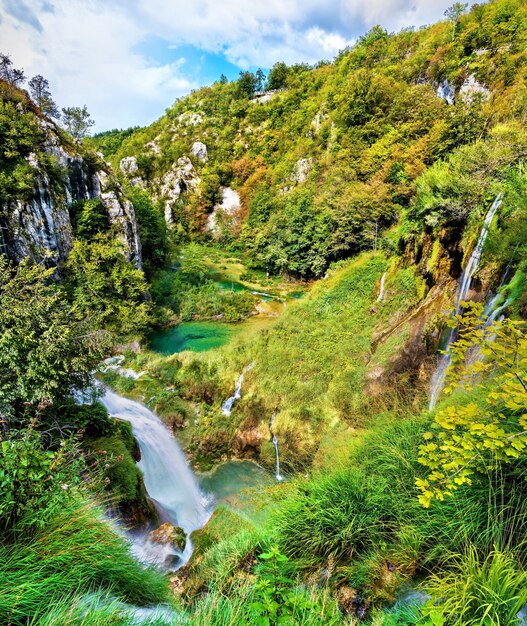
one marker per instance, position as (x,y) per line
(169,534)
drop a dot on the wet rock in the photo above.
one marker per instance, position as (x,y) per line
(172,561)
(169,534)
(446,92)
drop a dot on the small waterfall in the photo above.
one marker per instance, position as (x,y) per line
(278,476)
(438,379)
(168,479)
(381,291)
(226,407)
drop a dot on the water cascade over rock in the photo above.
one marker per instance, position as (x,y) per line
(168,479)
(278,475)
(381,290)
(226,407)
(438,379)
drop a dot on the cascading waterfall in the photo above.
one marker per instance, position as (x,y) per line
(381,291)
(168,479)
(226,407)
(438,379)
(278,476)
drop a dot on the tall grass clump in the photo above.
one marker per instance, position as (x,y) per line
(77,553)
(338,515)
(478,591)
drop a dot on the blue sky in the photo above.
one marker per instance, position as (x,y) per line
(128,60)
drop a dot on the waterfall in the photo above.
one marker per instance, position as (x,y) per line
(438,379)
(381,291)
(278,476)
(226,407)
(168,479)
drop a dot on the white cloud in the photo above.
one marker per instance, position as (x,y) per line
(88,48)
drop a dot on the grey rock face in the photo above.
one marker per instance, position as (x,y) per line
(446,92)
(471,88)
(182,177)
(301,170)
(128,165)
(40,228)
(199,150)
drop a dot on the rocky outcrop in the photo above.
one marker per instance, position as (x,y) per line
(182,177)
(446,92)
(128,166)
(199,150)
(301,170)
(40,227)
(226,211)
(169,534)
(472,89)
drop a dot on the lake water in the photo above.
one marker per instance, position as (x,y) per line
(193,336)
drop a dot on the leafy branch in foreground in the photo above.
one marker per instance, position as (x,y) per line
(478,437)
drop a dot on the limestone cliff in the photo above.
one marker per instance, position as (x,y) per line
(38,225)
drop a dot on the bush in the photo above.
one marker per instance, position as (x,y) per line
(34,483)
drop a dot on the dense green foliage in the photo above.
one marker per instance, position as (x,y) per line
(45,348)
(362,130)
(355,172)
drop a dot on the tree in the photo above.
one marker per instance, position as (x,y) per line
(9,73)
(223,80)
(260,80)
(39,90)
(277,78)
(194,263)
(77,121)
(246,85)
(453,13)
(106,286)
(45,349)
(479,436)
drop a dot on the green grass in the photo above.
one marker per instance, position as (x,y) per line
(75,554)
(476,590)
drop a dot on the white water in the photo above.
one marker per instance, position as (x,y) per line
(168,479)
(278,475)
(381,291)
(438,379)
(226,407)
(114,364)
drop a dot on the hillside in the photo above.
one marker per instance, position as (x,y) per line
(321,290)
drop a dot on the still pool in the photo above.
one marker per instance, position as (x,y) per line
(233,481)
(193,336)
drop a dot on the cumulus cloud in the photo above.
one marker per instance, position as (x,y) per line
(89,49)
